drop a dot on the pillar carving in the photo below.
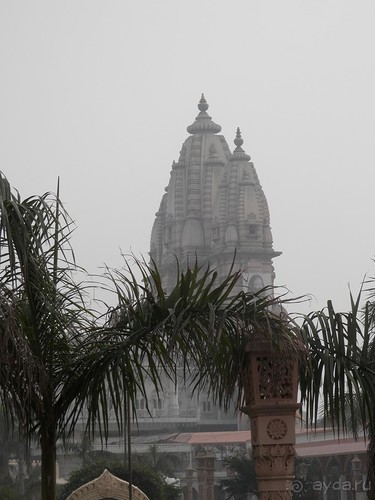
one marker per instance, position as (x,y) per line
(271,403)
(205,476)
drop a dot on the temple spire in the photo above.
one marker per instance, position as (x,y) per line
(214,205)
(203,122)
(203,105)
(238,141)
(239,153)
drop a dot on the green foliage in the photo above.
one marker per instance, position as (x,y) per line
(172,492)
(306,471)
(147,480)
(163,463)
(43,317)
(243,480)
(339,374)
(8,491)
(42,311)
(9,442)
(199,322)
(56,357)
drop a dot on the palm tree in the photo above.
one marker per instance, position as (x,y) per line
(339,375)
(42,315)
(200,327)
(56,362)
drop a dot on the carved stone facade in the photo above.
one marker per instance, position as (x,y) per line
(106,486)
(271,404)
(214,208)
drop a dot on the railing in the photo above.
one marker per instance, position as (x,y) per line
(164,413)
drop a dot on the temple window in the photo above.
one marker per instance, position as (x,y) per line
(158,404)
(253,230)
(206,406)
(140,404)
(215,232)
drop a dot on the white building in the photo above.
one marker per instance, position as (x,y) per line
(214,210)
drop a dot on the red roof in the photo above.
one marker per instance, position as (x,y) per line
(315,448)
(213,437)
(331,447)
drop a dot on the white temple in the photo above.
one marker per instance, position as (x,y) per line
(214,208)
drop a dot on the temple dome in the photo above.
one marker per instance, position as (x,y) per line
(203,122)
(214,207)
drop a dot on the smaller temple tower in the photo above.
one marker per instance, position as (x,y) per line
(214,208)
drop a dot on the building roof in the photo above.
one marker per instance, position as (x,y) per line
(211,438)
(316,444)
(347,446)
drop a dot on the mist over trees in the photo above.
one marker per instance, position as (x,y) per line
(58,357)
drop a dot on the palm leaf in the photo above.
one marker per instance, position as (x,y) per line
(340,372)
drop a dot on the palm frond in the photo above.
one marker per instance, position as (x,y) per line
(200,329)
(340,371)
(42,306)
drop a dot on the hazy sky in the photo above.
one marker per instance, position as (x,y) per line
(100,94)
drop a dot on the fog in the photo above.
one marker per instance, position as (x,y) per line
(100,94)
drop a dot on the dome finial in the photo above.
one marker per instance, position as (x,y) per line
(238,141)
(203,106)
(239,153)
(203,123)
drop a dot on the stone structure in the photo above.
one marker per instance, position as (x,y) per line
(214,211)
(271,403)
(205,475)
(106,486)
(214,208)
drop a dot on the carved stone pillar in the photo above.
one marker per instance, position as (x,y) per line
(189,483)
(205,475)
(201,475)
(210,471)
(271,403)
